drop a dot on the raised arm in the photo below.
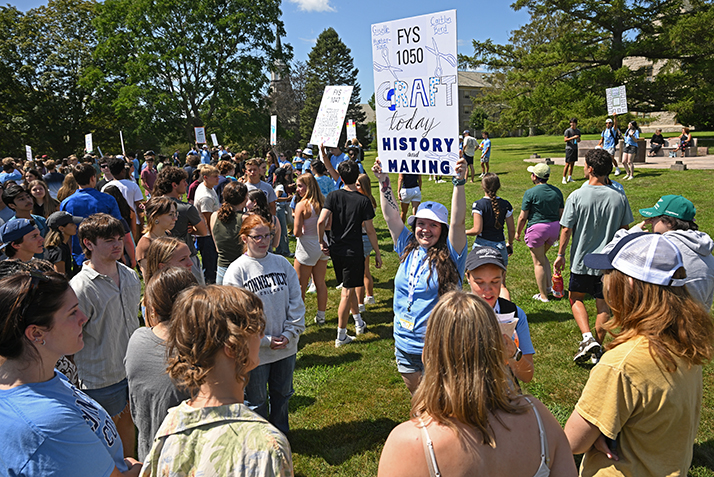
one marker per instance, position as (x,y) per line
(457,227)
(328,164)
(390,209)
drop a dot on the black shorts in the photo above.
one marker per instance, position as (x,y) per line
(349,270)
(469,159)
(571,155)
(629,149)
(589,284)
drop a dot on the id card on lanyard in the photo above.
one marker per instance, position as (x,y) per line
(418,267)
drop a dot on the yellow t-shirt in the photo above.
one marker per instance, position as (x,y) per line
(653,414)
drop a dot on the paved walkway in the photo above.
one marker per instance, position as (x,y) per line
(699,162)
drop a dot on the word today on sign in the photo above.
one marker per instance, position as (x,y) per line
(416,93)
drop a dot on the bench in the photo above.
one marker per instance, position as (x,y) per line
(670,144)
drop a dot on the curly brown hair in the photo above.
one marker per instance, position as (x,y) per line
(205,320)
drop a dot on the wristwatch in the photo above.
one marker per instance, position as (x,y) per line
(518,355)
(458,182)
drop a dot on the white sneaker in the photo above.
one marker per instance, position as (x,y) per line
(361,307)
(540,298)
(312,288)
(629,178)
(360,330)
(481,176)
(369,300)
(339,287)
(348,339)
(617,171)
(319,320)
(570,179)
(565,181)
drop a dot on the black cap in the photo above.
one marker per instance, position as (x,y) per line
(483,256)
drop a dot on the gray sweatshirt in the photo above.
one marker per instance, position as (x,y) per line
(275,281)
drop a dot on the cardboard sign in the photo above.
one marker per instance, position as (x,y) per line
(416,93)
(214,138)
(28,153)
(616,100)
(88,146)
(330,116)
(273,130)
(200,134)
(351,129)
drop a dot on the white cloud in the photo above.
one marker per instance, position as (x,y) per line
(314,5)
(309,40)
(461,42)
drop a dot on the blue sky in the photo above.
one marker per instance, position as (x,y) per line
(306,19)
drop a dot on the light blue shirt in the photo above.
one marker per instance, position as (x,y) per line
(205,156)
(425,294)
(485,146)
(608,136)
(631,137)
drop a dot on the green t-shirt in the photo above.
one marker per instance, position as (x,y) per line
(594,214)
(543,203)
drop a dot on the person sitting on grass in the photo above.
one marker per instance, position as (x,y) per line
(466,417)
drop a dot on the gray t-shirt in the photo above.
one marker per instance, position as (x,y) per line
(594,214)
(265,187)
(151,391)
(187,214)
(573,143)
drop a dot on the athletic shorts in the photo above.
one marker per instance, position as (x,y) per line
(588,284)
(407,196)
(541,234)
(571,155)
(611,151)
(349,270)
(112,398)
(469,159)
(485,159)
(408,363)
(630,149)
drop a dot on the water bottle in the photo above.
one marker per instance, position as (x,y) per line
(558,285)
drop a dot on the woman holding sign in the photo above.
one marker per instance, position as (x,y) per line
(433,260)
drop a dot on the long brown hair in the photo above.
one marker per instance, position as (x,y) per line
(365,188)
(490,184)
(156,207)
(465,377)
(162,291)
(50,205)
(234,193)
(439,259)
(159,253)
(69,187)
(313,194)
(675,324)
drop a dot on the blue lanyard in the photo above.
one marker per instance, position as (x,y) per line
(416,270)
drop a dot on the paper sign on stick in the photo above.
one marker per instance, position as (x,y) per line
(88,142)
(416,93)
(28,153)
(273,130)
(351,129)
(616,100)
(330,116)
(214,138)
(121,138)
(200,134)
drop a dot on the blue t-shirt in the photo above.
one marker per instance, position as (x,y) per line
(326,184)
(631,137)
(137,169)
(522,330)
(608,136)
(54,429)
(425,297)
(205,156)
(10,176)
(85,202)
(485,146)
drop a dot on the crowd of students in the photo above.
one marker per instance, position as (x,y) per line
(208,379)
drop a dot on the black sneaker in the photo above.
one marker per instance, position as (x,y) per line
(586,349)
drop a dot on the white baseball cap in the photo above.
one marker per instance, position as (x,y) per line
(432,211)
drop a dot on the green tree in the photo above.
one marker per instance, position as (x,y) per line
(478,118)
(559,64)
(43,54)
(330,63)
(166,66)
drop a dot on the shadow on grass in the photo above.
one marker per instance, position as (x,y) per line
(298,402)
(312,360)
(325,333)
(548,316)
(703,456)
(339,442)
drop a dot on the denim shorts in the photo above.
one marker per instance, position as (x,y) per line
(112,398)
(408,363)
(366,245)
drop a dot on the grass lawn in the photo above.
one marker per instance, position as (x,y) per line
(347,400)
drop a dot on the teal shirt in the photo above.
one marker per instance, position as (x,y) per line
(543,203)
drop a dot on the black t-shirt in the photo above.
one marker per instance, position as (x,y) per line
(410,181)
(61,253)
(491,230)
(657,139)
(349,209)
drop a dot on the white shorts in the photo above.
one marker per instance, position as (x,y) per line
(308,251)
(407,196)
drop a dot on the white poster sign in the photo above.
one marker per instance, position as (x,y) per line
(200,134)
(416,85)
(214,138)
(331,115)
(351,129)
(88,146)
(121,138)
(616,100)
(273,130)
(28,153)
